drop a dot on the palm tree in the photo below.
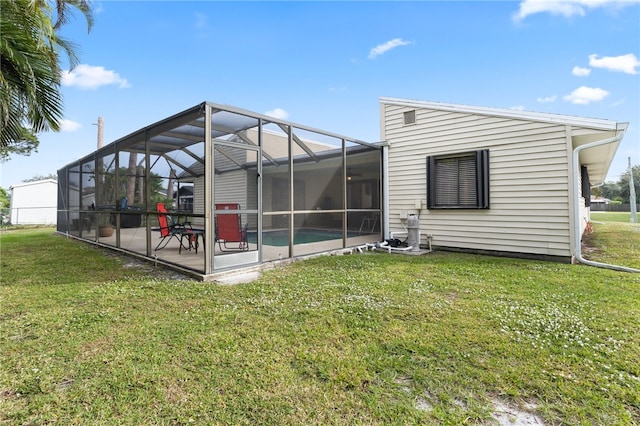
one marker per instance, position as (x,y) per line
(30,99)
(63,9)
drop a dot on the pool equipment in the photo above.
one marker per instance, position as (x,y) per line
(413,232)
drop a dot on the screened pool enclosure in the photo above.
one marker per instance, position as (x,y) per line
(247,189)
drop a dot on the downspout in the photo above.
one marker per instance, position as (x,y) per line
(385,188)
(576,208)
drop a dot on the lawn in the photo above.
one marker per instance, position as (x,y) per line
(371,338)
(614,242)
(611,216)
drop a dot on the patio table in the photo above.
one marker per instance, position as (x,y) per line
(193,239)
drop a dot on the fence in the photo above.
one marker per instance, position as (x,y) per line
(613,207)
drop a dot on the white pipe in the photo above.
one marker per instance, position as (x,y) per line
(576,206)
(386,247)
(397,234)
(385,188)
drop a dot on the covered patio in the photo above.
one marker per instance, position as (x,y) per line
(290,190)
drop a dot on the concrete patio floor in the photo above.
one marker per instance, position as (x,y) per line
(134,240)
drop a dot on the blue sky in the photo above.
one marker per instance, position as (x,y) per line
(326,64)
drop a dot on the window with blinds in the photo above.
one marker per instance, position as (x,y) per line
(459,181)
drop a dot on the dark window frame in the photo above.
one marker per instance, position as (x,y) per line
(460,179)
(586,186)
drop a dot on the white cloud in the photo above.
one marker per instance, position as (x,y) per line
(617,103)
(624,63)
(97,7)
(518,108)
(531,7)
(69,125)
(385,47)
(277,113)
(548,99)
(91,77)
(585,95)
(566,8)
(201,24)
(581,72)
(201,20)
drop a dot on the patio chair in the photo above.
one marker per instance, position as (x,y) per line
(169,229)
(230,233)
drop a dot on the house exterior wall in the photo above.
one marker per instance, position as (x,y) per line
(529,180)
(231,187)
(198,200)
(585,215)
(277,144)
(34,203)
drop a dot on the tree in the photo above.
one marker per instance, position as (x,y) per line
(27,144)
(623,183)
(42,177)
(5,199)
(131,172)
(610,190)
(619,191)
(30,71)
(109,187)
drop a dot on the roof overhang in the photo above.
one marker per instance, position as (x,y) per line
(33,182)
(598,158)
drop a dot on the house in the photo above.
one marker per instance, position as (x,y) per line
(476,179)
(493,180)
(34,202)
(599,203)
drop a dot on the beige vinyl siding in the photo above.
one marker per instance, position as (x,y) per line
(238,187)
(276,144)
(231,188)
(528,181)
(198,200)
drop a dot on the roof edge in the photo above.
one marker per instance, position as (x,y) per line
(598,123)
(33,182)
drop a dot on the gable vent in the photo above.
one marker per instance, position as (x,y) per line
(410,117)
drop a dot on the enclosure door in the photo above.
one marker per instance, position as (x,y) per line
(237,199)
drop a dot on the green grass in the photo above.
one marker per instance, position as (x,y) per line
(615,243)
(362,339)
(611,216)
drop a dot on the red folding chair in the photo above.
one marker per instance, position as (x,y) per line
(168,228)
(230,233)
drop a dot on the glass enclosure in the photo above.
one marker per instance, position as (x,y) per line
(214,188)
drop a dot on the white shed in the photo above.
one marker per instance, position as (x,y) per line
(493,180)
(34,202)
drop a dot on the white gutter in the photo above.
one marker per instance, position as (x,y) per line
(576,206)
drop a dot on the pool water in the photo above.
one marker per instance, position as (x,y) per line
(301,236)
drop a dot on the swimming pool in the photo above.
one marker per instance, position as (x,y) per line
(301,236)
